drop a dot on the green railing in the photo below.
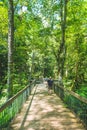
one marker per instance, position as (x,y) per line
(13,105)
(74,101)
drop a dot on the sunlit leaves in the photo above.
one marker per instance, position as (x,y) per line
(38,27)
(3,21)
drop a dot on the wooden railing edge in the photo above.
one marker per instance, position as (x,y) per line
(83,99)
(9,101)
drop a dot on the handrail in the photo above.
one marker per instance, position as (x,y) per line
(74,94)
(77,96)
(13,105)
(74,101)
(11,99)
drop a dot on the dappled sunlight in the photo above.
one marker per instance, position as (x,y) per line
(47,112)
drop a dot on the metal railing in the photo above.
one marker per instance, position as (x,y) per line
(74,101)
(13,105)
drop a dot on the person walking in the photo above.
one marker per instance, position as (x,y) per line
(50,84)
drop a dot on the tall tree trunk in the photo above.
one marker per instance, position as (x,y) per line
(10,47)
(62,48)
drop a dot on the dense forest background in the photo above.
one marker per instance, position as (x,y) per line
(49,39)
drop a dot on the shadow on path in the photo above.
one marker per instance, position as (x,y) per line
(24,119)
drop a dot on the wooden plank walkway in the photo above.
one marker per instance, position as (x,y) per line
(45,112)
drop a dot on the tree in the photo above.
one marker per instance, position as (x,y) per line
(76,43)
(62,49)
(10,47)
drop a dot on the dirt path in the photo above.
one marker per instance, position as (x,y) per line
(47,112)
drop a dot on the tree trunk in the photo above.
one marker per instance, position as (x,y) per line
(62,48)
(10,47)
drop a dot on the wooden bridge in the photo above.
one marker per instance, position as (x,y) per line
(43,111)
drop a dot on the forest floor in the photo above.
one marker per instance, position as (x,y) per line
(43,111)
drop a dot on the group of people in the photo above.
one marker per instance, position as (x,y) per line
(50,85)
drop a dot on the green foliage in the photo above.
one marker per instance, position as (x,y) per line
(3,94)
(83,90)
(3,46)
